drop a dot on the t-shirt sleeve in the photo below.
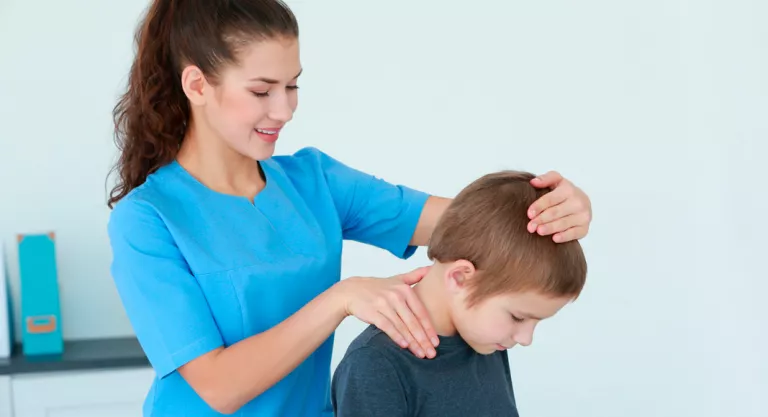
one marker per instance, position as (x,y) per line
(365,383)
(372,210)
(162,299)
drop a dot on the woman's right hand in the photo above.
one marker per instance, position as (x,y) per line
(391,305)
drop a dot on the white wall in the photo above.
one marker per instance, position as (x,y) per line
(657,108)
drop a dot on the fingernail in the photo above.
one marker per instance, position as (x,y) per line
(557,238)
(435,341)
(432,353)
(532,227)
(420,353)
(531,212)
(403,343)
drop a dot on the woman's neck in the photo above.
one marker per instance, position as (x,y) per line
(219,167)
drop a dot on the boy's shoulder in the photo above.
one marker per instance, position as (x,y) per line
(376,377)
(372,337)
(373,345)
(370,377)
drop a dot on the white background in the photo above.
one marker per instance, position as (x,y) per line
(658,109)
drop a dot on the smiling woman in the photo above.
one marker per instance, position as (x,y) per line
(227,257)
(245,106)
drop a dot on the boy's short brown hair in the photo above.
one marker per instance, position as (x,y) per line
(486,224)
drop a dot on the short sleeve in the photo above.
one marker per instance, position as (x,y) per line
(372,210)
(162,299)
(365,383)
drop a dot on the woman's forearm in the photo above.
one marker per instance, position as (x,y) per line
(430,214)
(228,378)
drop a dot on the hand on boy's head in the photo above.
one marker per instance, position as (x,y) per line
(565,212)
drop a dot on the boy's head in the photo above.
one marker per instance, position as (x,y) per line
(499,279)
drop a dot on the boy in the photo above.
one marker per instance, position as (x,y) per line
(490,284)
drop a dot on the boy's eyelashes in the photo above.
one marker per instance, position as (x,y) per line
(517,319)
(266,93)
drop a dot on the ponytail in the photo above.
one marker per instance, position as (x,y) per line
(152,116)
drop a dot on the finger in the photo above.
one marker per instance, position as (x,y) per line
(415,328)
(414,276)
(385,325)
(560,225)
(550,179)
(418,309)
(569,207)
(394,318)
(574,233)
(552,198)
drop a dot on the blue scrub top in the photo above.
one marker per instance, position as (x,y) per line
(197,269)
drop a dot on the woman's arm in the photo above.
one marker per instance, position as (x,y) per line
(227,378)
(430,214)
(565,213)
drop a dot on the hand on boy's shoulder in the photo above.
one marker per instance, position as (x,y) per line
(373,351)
(374,342)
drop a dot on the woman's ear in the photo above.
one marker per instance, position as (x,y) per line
(193,83)
(458,274)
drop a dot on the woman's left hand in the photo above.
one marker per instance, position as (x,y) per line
(565,212)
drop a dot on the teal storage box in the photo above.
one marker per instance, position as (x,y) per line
(40,310)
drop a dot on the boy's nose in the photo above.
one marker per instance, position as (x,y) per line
(524,338)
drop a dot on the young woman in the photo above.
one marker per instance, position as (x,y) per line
(227,258)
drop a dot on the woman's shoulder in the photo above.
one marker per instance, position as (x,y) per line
(133,213)
(309,163)
(306,158)
(144,203)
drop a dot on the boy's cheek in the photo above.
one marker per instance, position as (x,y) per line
(475,328)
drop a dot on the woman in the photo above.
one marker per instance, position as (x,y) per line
(226,257)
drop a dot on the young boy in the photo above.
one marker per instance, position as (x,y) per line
(490,284)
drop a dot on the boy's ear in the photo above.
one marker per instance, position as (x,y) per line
(458,274)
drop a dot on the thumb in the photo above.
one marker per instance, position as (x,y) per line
(414,276)
(550,179)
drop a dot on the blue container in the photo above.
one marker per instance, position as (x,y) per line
(40,311)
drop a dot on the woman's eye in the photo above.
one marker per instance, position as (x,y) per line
(266,93)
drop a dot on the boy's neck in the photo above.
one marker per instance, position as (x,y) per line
(431,292)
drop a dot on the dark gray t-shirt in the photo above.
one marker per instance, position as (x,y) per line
(378,378)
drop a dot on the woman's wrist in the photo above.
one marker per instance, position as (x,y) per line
(339,295)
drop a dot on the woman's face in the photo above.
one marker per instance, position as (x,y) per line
(251,102)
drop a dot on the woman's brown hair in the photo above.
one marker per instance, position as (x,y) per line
(152,115)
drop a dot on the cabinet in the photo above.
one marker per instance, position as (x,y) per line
(92,378)
(91,393)
(6,406)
